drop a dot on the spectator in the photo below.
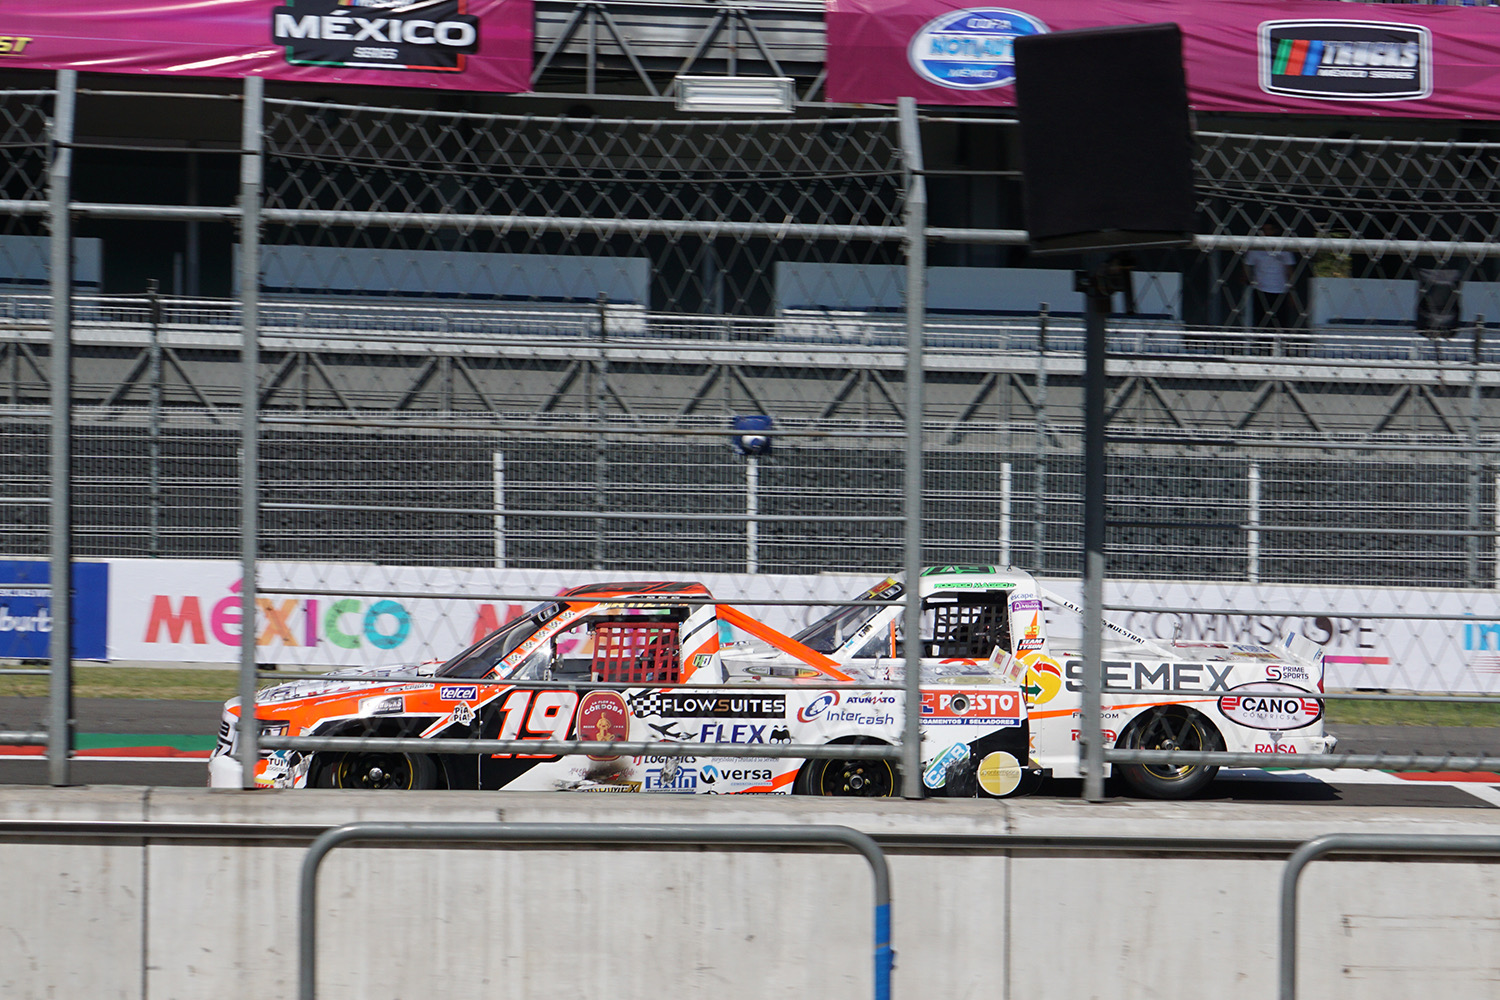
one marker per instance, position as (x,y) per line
(1270,275)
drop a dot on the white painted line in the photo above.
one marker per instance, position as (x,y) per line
(1488,793)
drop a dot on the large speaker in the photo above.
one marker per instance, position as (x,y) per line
(1439,308)
(1106,146)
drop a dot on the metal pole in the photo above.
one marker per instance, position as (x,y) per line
(153,430)
(752,512)
(1252,517)
(599,403)
(1039,530)
(652,834)
(1476,459)
(498,496)
(916,317)
(1090,736)
(1005,513)
(60,648)
(250,182)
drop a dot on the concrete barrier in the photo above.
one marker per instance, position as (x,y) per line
(1031,898)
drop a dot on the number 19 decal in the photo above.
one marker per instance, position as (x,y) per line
(536,715)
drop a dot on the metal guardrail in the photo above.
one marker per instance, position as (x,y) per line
(1364,843)
(609,834)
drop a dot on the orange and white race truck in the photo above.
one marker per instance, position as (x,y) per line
(1230,696)
(646,663)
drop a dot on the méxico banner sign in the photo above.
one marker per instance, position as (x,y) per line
(451,44)
(1322,58)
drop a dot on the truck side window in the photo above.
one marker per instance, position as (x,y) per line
(967,626)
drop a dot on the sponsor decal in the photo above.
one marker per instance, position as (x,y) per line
(613,786)
(1270,706)
(738,732)
(348,623)
(1125,675)
(463,714)
(1019,604)
(936,775)
(779,670)
(382,705)
(999,773)
(1109,736)
(952,707)
(376,34)
(869,708)
(680,705)
(1027,645)
(669,779)
(1275,748)
(14,45)
(458,692)
(711,774)
(1044,679)
(958,570)
(602,716)
(1346,60)
(1290,672)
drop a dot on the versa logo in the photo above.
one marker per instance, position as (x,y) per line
(1346,60)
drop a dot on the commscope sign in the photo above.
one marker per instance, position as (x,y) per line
(971,49)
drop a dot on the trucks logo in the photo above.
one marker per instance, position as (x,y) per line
(1346,60)
(950,707)
(678,705)
(1269,706)
(602,716)
(970,50)
(376,34)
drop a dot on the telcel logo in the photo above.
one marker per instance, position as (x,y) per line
(1346,60)
(970,50)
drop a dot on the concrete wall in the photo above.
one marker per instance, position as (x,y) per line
(173,919)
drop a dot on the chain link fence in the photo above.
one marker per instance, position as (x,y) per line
(521,343)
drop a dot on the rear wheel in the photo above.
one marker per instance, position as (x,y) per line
(860,777)
(378,770)
(1169,727)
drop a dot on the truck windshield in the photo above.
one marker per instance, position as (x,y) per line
(834,629)
(480,658)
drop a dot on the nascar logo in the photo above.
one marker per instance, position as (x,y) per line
(1346,60)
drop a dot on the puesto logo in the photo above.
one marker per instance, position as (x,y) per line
(970,49)
(376,34)
(1346,60)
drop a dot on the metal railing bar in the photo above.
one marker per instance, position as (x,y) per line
(560,428)
(1356,843)
(10,739)
(1463,699)
(1305,613)
(1298,761)
(609,834)
(491,512)
(553,685)
(578,598)
(560,748)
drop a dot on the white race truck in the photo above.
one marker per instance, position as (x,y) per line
(1252,700)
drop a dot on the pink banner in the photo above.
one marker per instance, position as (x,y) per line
(1276,57)
(452,44)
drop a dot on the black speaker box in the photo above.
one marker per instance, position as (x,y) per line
(1439,306)
(1106,145)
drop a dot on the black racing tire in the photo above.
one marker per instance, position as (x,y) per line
(862,778)
(376,771)
(1169,727)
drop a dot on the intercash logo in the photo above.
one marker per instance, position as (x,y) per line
(376,34)
(970,49)
(1346,60)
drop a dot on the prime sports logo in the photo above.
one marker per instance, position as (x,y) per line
(970,50)
(376,34)
(1346,60)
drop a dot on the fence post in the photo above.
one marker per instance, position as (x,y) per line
(250,180)
(599,404)
(752,511)
(1252,535)
(916,317)
(1039,529)
(153,430)
(1476,458)
(60,647)
(1005,513)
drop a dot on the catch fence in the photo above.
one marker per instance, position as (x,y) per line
(522,342)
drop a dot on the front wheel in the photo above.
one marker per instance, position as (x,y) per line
(378,770)
(865,778)
(1169,727)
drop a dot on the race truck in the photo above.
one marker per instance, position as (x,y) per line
(1230,696)
(651,663)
